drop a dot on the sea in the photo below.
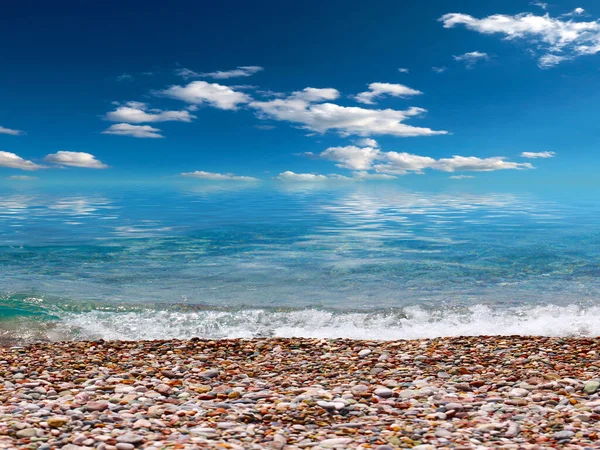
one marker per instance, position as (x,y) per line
(371,260)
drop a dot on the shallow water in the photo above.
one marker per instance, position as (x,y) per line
(375,261)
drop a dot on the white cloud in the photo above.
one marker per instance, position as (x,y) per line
(439,69)
(576,12)
(201,92)
(125,77)
(138,131)
(475,164)
(559,39)
(11,131)
(538,155)
(288,175)
(471,58)
(315,95)
(403,70)
(21,178)
(301,108)
(75,159)
(13,161)
(240,71)
(542,5)
(461,177)
(367,142)
(378,90)
(312,177)
(401,163)
(213,176)
(137,112)
(351,157)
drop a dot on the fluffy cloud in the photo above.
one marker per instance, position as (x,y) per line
(305,108)
(403,70)
(471,58)
(560,39)
(314,95)
(137,112)
(401,163)
(439,69)
(378,90)
(10,131)
(576,12)
(533,155)
(213,94)
(288,175)
(367,142)
(240,71)
(311,177)
(138,131)
(75,159)
(461,177)
(213,176)
(13,161)
(351,157)
(475,164)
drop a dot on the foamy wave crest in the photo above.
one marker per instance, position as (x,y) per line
(410,323)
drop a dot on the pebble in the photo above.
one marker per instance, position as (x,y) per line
(26,433)
(591,386)
(290,394)
(560,435)
(384,392)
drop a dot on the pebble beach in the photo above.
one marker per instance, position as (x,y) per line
(461,393)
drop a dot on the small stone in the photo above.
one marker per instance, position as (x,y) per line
(335,442)
(518,392)
(565,434)
(442,433)
(279,441)
(124,446)
(364,353)
(170,374)
(514,429)
(211,373)
(384,392)
(130,438)
(26,433)
(142,423)
(591,386)
(163,389)
(156,411)
(96,406)
(57,421)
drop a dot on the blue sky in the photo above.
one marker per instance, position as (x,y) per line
(308,91)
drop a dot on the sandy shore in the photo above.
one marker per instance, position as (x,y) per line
(480,392)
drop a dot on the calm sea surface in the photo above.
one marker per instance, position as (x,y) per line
(361,260)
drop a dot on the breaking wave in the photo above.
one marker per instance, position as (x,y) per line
(148,322)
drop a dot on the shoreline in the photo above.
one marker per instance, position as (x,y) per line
(512,392)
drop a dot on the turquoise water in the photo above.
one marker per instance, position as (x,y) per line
(356,260)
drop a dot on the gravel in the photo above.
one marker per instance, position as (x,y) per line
(467,392)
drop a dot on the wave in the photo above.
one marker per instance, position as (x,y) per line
(61,321)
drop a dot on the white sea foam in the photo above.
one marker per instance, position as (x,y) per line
(411,323)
